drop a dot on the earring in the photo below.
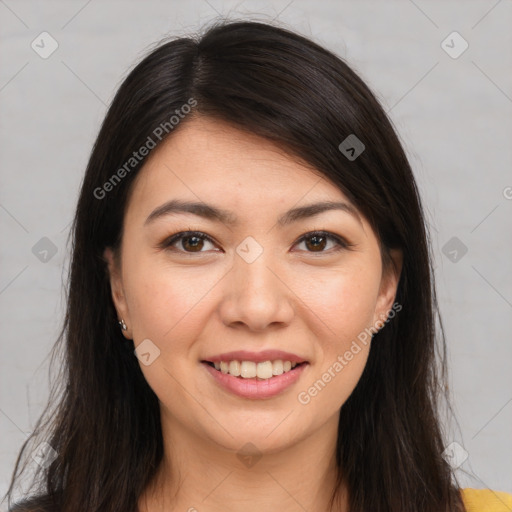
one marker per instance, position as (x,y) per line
(123,325)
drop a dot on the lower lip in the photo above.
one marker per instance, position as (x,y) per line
(254,388)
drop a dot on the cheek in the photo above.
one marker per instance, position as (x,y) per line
(165,302)
(341,307)
(343,300)
(341,304)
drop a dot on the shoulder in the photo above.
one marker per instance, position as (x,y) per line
(34,504)
(486,500)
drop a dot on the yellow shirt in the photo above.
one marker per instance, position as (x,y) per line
(486,500)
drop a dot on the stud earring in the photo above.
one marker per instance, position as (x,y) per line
(123,325)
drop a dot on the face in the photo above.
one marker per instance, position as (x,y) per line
(253,290)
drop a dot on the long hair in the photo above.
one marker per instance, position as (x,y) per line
(103,422)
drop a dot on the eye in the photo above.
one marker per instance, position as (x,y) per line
(318,240)
(194,242)
(190,241)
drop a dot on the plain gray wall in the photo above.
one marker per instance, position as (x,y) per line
(453,115)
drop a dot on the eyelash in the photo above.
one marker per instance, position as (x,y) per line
(169,241)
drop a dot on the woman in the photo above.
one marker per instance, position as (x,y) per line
(251,311)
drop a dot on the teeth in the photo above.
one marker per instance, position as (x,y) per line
(277,367)
(264,370)
(250,369)
(235,368)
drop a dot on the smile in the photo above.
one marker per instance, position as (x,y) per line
(250,369)
(248,384)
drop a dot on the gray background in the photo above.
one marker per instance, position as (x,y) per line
(453,115)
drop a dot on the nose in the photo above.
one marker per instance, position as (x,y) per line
(256,295)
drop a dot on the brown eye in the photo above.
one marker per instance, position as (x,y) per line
(316,243)
(190,242)
(193,242)
(318,240)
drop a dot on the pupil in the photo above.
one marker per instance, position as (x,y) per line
(316,238)
(194,244)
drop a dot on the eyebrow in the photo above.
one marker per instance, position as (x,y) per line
(214,213)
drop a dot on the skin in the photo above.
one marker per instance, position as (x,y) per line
(193,303)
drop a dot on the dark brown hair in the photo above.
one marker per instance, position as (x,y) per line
(103,419)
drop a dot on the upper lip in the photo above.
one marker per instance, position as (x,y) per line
(257,357)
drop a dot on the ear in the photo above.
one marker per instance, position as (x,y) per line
(388,288)
(117,290)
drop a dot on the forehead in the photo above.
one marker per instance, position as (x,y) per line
(211,161)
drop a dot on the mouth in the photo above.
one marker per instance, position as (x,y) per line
(257,371)
(262,379)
